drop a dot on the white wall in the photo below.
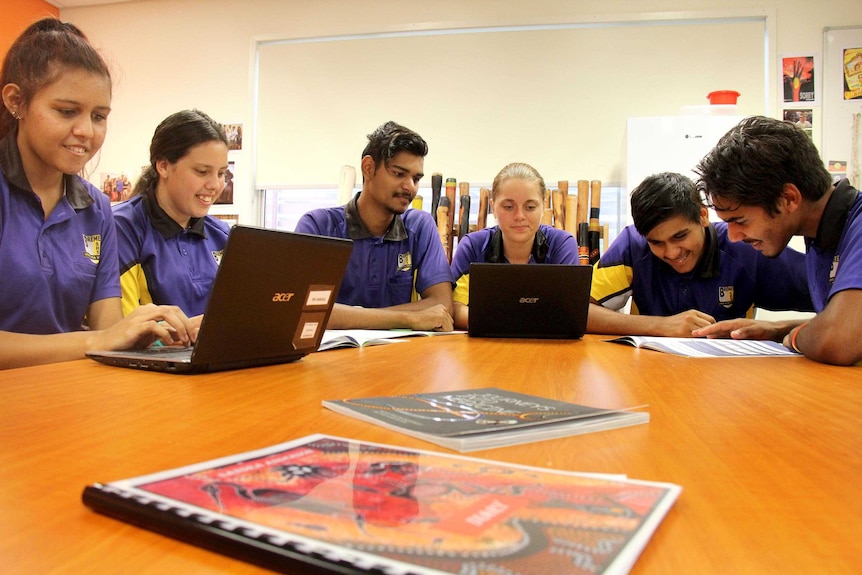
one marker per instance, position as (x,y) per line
(175,54)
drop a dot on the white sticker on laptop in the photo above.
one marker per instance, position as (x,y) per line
(318,297)
(309,330)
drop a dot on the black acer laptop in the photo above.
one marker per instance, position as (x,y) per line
(270,302)
(529,300)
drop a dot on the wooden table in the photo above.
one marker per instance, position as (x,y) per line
(768,450)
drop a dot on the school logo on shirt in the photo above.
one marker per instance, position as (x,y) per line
(93,247)
(217,256)
(725,296)
(833,271)
(405,263)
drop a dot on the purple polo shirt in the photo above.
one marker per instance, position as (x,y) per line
(162,263)
(834,257)
(729,278)
(51,271)
(550,246)
(382,271)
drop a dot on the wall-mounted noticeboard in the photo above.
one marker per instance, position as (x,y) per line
(842,100)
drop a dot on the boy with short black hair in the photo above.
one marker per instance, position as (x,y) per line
(766,179)
(396,250)
(682,272)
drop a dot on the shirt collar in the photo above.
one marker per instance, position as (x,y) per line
(708,264)
(356,229)
(10,162)
(494,252)
(164,224)
(832,222)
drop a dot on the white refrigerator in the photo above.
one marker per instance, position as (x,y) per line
(669,144)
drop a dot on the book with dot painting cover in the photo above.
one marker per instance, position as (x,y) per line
(468,420)
(328,504)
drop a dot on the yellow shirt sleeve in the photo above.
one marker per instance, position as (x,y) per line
(612,285)
(462,290)
(133,284)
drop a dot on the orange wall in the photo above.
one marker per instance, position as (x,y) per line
(17,15)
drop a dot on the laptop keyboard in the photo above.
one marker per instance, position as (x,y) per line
(168,351)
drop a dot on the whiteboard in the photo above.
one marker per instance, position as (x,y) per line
(557,97)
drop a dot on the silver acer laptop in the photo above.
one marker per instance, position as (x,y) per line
(270,301)
(529,300)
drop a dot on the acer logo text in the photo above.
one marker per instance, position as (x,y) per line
(528,300)
(282,296)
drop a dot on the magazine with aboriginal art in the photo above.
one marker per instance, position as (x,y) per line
(340,505)
(473,419)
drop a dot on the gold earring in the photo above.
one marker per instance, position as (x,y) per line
(16,115)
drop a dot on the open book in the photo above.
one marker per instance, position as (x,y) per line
(338,338)
(702,347)
(357,507)
(474,419)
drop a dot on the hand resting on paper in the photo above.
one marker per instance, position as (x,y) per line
(744,328)
(685,323)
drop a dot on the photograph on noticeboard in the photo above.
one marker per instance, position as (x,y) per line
(801,117)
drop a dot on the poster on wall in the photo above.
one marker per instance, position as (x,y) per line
(116,186)
(226,197)
(234,136)
(853,73)
(798,79)
(837,169)
(230,219)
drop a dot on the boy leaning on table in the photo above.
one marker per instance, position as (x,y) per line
(683,272)
(765,179)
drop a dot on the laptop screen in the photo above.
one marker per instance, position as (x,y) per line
(529,300)
(270,302)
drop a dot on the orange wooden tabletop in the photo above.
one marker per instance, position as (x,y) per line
(768,450)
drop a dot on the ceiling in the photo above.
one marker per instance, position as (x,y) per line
(79,3)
